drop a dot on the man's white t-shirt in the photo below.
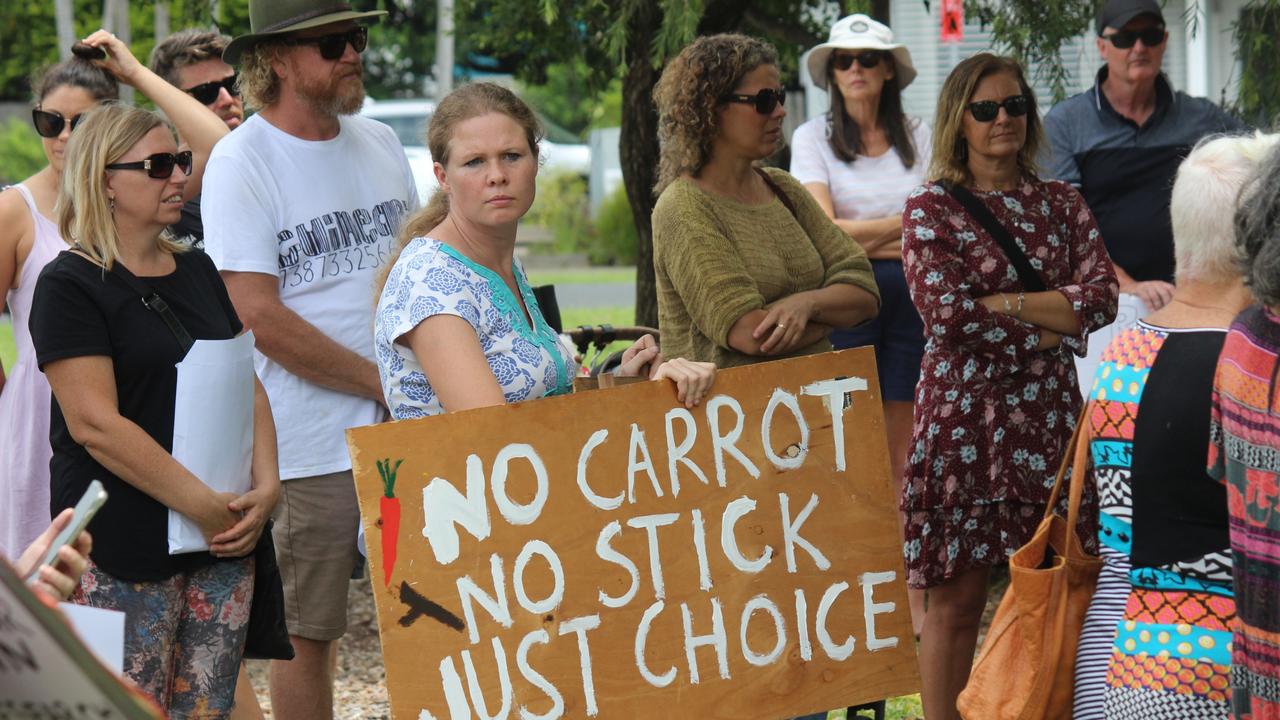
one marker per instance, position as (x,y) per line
(870,187)
(321,216)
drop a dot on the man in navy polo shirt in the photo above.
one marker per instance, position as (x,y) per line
(1121,142)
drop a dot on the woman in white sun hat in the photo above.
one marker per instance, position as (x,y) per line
(860,160)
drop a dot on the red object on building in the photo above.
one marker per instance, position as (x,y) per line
(952,20)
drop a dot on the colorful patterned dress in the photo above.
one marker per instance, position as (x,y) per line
(1244,453)
(1155,638)
(993,414)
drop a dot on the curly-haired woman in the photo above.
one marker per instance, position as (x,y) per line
(748,265)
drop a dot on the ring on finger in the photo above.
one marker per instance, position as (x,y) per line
(782,326)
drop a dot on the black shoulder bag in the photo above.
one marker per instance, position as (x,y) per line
(1031,280)
(267,637)
(777,190)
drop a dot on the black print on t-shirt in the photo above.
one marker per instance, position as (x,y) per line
(339,243)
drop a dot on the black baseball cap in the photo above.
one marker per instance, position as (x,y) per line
(1115,13)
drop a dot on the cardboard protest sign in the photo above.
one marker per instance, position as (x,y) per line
(47,673)
(613,554)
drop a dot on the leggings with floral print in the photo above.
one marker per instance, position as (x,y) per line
(184,636)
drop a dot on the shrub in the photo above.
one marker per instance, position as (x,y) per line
(562,208)
(616,237)
(20,152)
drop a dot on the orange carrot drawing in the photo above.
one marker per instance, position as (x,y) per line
(390,507)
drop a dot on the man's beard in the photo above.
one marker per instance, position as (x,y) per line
(336,96)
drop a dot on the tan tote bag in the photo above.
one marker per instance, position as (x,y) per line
(1027,665)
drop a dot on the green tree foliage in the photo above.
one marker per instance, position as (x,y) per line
(1257,36)
(20,152)
(566,99)
(1035,30)
(402,47)
(632,39)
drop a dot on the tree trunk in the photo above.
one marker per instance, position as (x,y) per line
(64,12)
(162,21)
(880,11)
(638,150)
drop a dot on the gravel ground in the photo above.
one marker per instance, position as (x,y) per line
(361,689)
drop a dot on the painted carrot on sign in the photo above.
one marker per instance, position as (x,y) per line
(390,506)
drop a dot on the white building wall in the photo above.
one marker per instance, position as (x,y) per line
(918,28)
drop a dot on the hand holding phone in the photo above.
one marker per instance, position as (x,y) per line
(89,504)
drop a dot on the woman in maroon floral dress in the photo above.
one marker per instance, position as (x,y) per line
(998,397)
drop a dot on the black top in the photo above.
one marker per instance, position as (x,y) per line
(189,230)
(1179,512)
(1125,171)
(80,310)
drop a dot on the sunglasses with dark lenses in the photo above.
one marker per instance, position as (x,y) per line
(765,100)
(207,93)
(50,124)
(1124,39)
(987,110)
(867,59)
(159,166)
(333,46)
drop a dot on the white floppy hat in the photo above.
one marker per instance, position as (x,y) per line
(859,32)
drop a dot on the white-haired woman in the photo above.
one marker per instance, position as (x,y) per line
(111,361)
(1156,635)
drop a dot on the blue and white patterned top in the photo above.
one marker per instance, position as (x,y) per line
(431,278)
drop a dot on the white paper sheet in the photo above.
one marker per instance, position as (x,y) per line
(1129,311)
(213,425)
(101,630)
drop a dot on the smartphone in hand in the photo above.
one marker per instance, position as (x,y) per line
(89,504)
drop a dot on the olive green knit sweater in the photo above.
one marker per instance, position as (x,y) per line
(717,259)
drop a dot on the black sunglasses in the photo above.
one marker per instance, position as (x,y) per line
(159,166)
(50,124)
(1150,36)
(207,93)
(765,100)
(333,46)
(987,110)
(867,59)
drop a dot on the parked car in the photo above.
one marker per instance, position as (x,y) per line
(561,150)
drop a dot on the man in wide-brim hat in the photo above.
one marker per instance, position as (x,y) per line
(301,205)
(276,18)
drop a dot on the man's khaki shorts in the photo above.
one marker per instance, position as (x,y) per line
(316,522)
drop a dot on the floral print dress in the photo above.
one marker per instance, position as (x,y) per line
(431,278)
(993,414)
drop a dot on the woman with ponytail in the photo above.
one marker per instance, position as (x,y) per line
(457,325)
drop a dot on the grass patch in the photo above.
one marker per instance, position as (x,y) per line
(8,351)
(900,708)
(582,276)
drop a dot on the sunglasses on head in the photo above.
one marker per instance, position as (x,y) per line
(49,124)
(867,59)
(765,100)
(1124,39)
(987,110)
(207,93)
(159,166)
(333,46)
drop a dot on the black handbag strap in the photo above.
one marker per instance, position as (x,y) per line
(153,302)
(786,201)
(1030,278)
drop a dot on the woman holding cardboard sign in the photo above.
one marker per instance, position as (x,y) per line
(457,325)
(997,399)
(112,322)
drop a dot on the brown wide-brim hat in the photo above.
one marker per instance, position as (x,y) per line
(269,18)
